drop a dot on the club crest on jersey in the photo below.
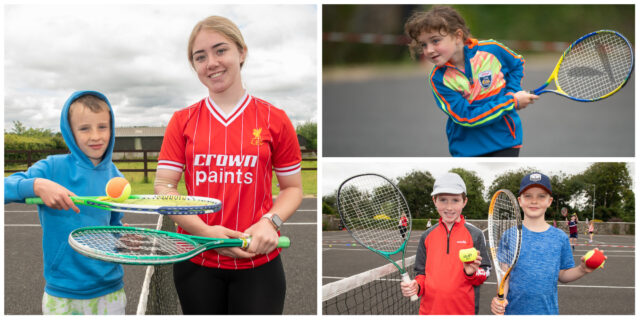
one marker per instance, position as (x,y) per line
(257,137)
(485,79)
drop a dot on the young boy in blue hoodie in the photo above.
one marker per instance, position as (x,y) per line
(75,284)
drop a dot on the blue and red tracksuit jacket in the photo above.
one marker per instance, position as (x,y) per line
(444,286)
(479,99)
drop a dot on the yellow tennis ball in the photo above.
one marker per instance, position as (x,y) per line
(468,255)
(118,189)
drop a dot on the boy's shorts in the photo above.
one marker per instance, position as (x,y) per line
(112,303)
(573,235)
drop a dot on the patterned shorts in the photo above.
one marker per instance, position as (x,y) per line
(112,303)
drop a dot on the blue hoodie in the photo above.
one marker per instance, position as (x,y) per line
(67,273)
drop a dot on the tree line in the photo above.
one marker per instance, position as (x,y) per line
(614,199)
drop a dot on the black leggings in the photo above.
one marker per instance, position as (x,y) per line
(204,290)
(510,152)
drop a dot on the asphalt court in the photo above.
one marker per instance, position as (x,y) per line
(24,283)
(606,291)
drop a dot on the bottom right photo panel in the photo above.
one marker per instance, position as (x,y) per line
(436,237)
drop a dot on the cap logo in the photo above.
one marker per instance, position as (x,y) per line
(535,177)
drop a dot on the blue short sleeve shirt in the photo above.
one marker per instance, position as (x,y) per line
(533,284)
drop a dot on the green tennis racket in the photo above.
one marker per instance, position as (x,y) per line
(149,204)
(377,216)
(140,246)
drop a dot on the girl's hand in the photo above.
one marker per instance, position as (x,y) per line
(264,237)
(409,288)
(225,233)
(497,306)
(524,99)
(54,195)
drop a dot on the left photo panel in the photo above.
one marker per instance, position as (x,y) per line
(160,159)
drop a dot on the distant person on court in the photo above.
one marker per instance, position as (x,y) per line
(429,224)
(545,256)
(75,284)
(477,84)
(403,224)
(573,230)
(592,229)
(227,145)
(445,284)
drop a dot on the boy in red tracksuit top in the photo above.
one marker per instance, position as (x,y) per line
(445,284)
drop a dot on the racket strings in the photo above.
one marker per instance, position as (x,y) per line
(596,66)
(505,233)
(132,243)
(372,211)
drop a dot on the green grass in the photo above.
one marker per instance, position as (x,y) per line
(140,186)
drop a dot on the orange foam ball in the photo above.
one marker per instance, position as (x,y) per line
(118,189)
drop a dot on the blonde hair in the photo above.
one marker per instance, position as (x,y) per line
(221,25)
(445,20)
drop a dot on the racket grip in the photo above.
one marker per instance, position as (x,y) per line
(33,201)
(406,279)
(284,242)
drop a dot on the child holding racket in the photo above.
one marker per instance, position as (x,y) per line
(75,284)
(227,145)
(477,84)
(445,284)
(545,256)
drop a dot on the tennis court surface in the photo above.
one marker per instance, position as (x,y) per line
(373,290)
(148,290)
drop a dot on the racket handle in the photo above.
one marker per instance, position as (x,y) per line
(283,242)
(406,279)
(33,201)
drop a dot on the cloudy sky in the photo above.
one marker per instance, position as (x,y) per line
(336,170)
(136,55)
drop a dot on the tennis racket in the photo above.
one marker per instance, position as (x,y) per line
(150,204)
(140,246)
(372,208)
(505,235)
(592,68)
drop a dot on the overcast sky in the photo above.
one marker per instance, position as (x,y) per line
(336,170)
(136,55)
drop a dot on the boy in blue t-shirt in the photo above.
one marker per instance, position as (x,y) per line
(75,284)
(545,256)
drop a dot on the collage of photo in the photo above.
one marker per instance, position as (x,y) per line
(319,159)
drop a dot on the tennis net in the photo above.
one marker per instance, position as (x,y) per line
(375,291)
(158,295)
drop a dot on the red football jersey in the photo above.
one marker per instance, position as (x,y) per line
(231,158)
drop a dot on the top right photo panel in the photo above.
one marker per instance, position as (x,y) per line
(478,80)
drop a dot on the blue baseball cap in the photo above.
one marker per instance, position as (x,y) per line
(535,179)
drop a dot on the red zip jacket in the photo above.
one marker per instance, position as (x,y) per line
(444,287)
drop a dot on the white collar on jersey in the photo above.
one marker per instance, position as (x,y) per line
(222,116)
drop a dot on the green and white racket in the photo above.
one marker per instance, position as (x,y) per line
(149,204)
(377,216)
(140,246)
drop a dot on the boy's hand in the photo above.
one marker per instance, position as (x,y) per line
(498,306)
(587,269)
(470,268)
(409,288)
(54,195)
(524,99)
